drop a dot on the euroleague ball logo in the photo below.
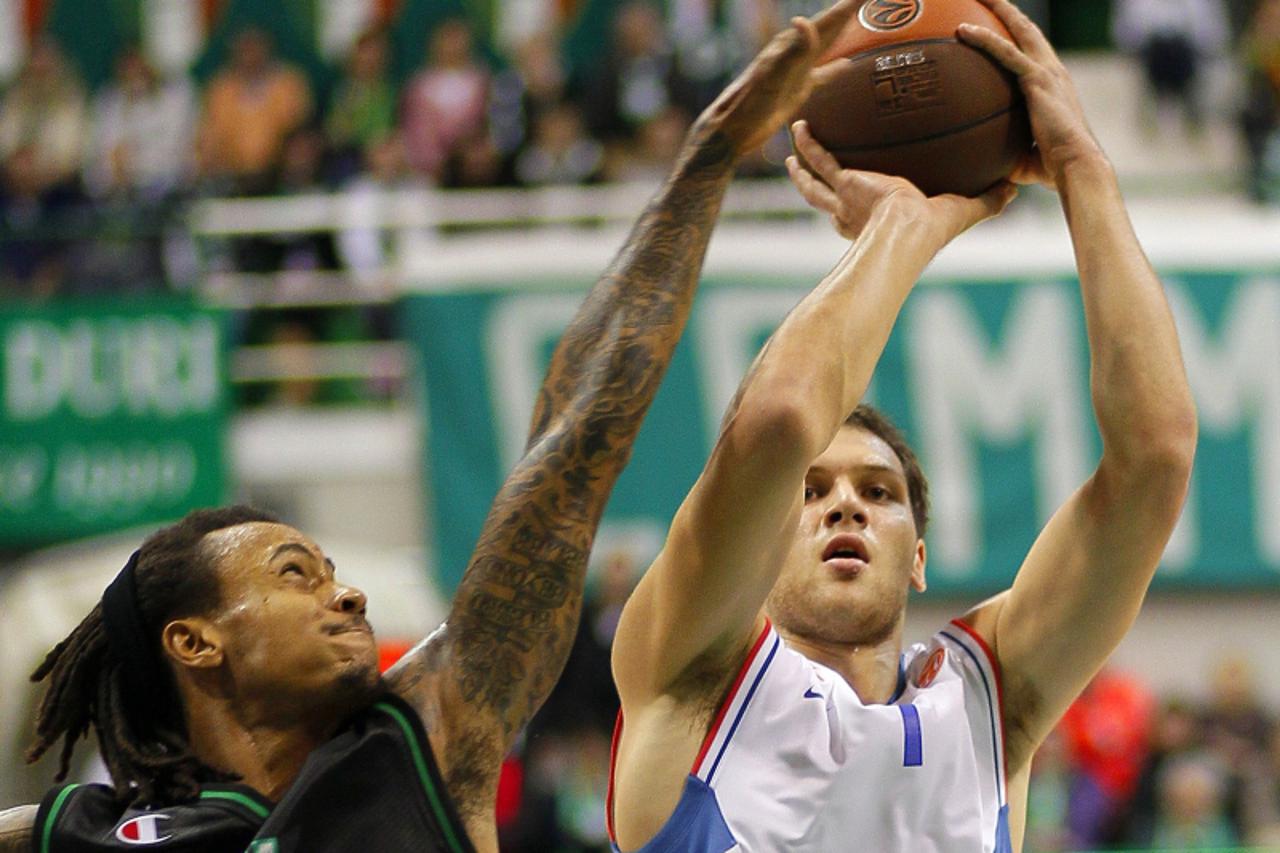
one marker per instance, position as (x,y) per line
(884,15)
(931,668)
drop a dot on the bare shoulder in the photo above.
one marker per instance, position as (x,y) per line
(17,828)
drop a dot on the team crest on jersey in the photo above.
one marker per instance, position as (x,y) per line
(884,15)
(143,829)
(931,668)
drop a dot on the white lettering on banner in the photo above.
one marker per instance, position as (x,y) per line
(730,324)
(153,365)
(1235,378)
(32,370)
(94,480)
(517,334)
(966,392)
(22,473)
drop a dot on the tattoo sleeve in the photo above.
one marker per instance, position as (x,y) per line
(516,610)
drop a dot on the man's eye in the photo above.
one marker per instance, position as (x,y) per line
(810,493)
(878,493)
(293,568)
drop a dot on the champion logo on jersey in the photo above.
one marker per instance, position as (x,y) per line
(143,829)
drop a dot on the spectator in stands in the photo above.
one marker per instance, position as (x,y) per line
(362,111)
(445,103)
(1192,814)
(1261,795)
(1049,796)
(1173,39)
(475,163)
(1258,118)
(637,79)
(365,248)
(32,219)
(251,108)
(143,133)
(45,111)
(1177,733)
(560,151)
(535,83)
(1107,736)
(657,144)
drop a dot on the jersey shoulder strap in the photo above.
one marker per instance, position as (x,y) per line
(90,819)
(373,786)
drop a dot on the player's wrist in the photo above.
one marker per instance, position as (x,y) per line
(1089,169)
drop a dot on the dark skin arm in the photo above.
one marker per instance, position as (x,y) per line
(17,829)
(480,677)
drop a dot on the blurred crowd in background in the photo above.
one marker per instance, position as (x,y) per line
(120,160)
(1124,770)
(95,183)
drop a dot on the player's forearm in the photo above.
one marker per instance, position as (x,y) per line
(617,347)
(16,829)
(1140,392)
(819,362)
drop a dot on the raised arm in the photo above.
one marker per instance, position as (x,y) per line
(17,827)
(697,606)
(480,677)
(1081,585)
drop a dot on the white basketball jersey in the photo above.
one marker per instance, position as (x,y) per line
(795,761)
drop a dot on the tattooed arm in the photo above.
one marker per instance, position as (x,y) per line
(480,677)
(17,827)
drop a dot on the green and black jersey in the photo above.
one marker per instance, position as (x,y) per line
(374,788)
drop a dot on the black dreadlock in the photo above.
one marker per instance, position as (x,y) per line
(145,748)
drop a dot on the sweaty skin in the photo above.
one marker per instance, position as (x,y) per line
(785,474)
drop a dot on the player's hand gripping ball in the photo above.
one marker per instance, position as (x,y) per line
(898,93)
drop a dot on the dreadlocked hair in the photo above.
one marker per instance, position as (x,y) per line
(145,749)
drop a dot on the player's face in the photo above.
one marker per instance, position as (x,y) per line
(289,629)
(856,553)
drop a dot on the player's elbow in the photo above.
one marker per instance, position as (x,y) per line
(782,429)
(1160,460)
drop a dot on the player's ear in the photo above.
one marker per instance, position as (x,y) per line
(918,581)
(192,642)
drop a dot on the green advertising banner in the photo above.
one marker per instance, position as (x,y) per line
(989,380)
(114,416)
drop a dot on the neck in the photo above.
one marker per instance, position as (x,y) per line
(256,743)
(870,669)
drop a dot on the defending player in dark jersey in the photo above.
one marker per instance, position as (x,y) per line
(231,679)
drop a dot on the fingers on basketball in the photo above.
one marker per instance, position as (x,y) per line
(814,191)
(1024,30)
(998,47)
(831,22)
(819,159)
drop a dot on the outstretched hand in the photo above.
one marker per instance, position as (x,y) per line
(777,82)
(851,196)
(1058,123)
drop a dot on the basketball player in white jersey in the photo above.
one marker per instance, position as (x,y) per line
(767,701)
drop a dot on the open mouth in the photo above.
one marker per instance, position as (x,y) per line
(846,546)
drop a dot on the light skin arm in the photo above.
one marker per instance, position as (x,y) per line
(698,605)
(17,829)
(1080,587)
(479,678)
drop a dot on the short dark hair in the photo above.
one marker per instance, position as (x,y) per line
(146,750)
(874,421)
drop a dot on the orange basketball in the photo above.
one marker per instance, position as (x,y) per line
(899,94)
